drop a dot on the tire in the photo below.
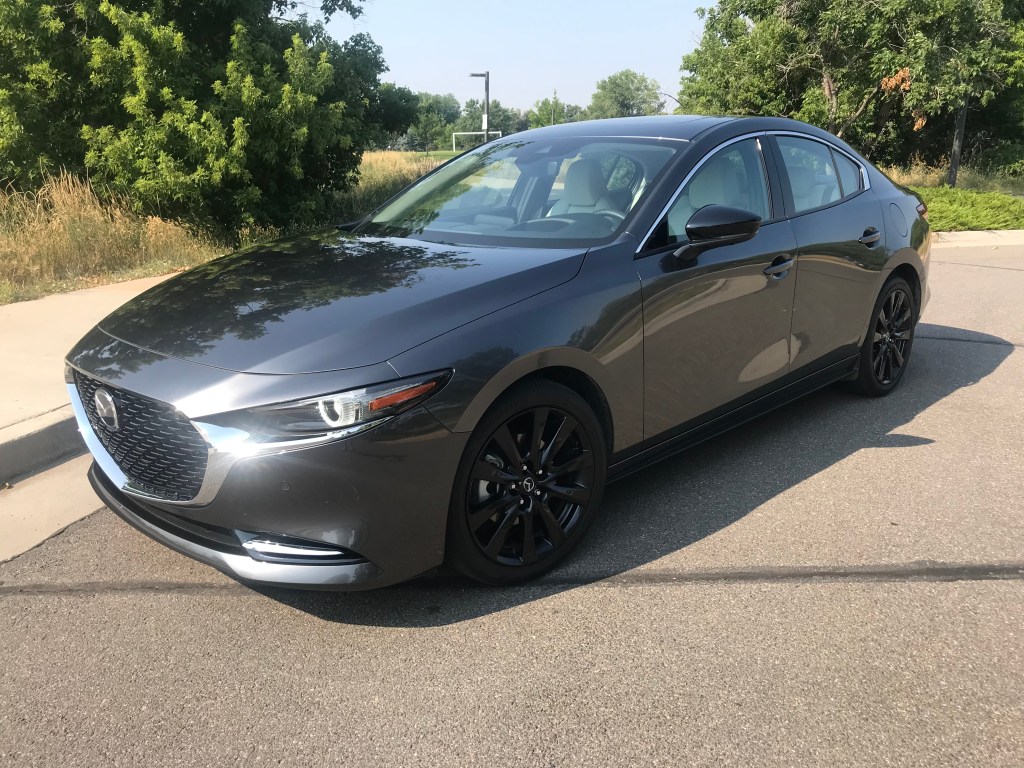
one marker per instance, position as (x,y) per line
(886,351)
(538,514)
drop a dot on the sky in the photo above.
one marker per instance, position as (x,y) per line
(531,47)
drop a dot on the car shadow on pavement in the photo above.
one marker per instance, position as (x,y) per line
(684,499)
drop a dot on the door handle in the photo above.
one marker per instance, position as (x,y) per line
(870,237)
(780,267)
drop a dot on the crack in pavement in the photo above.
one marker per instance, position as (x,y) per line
(925,570)
(982,266)
(970,341)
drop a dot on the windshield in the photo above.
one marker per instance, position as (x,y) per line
(540,193)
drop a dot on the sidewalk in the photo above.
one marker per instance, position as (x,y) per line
(36,424)
(981,238)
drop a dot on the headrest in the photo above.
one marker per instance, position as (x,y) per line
(714,185)
(801,178)
(584,183)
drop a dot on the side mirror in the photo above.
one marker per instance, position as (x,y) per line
(715,225)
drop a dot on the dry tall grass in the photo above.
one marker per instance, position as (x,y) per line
(381,176)
(63,237)
(921,175)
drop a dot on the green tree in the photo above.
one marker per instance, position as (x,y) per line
(41,106)
(398,107)
(626,94)
(505,119)
(231,110)
(866,71)
(435,115)
(553,111)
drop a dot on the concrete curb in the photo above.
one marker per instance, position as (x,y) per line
(43,440)
(981,238)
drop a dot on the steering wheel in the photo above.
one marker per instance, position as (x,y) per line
(614,215)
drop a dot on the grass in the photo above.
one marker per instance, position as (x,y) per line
(921,175)
(959,210)
(382,175)
(62,237)
(981,200)
(442,154)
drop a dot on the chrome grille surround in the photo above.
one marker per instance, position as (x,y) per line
(161,453)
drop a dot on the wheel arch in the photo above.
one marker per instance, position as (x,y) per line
(909,272)
(905,263)
(567,366)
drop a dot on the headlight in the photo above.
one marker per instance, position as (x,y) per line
(334,415)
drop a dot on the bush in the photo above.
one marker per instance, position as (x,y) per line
(232,112)
(956,210)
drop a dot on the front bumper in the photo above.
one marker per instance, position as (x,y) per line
(380,497)
(223,556)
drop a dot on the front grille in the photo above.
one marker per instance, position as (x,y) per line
(155,445)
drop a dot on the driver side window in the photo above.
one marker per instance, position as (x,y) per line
(734,176)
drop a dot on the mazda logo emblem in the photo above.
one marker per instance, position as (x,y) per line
(106,409)
(528,484)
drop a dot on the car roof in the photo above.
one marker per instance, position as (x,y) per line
(680,127)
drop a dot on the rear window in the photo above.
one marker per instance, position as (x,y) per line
(849,174)
(812,175)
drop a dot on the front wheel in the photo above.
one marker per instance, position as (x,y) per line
(530,482)
(886,350)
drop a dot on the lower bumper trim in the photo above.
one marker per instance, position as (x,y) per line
(234,562)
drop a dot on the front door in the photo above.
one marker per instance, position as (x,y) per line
(718,328)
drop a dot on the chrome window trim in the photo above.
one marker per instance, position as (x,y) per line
(609,137)
(865,180)
(686,180)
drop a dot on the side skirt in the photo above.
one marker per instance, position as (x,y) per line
(722,420)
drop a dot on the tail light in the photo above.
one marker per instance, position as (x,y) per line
(922,210)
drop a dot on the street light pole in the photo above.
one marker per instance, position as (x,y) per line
(487,100)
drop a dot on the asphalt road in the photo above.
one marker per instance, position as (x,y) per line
(838,583)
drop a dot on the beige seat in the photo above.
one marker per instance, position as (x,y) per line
(715,184)
(585,190)
(801,182)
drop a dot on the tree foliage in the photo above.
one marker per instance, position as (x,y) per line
(500,118)
(435,114)
(625,94)
(229,110)
(866,70)
(554,111)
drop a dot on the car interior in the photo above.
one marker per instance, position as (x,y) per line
(551,191)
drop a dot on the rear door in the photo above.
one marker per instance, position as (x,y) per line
(841,250)
(717,328)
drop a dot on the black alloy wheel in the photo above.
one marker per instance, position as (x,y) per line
(531,479)
(887,348)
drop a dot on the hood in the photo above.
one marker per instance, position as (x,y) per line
(330,301)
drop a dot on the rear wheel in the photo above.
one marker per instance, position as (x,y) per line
(530,482)
(886,350)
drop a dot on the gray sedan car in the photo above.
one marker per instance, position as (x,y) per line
(457,376)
